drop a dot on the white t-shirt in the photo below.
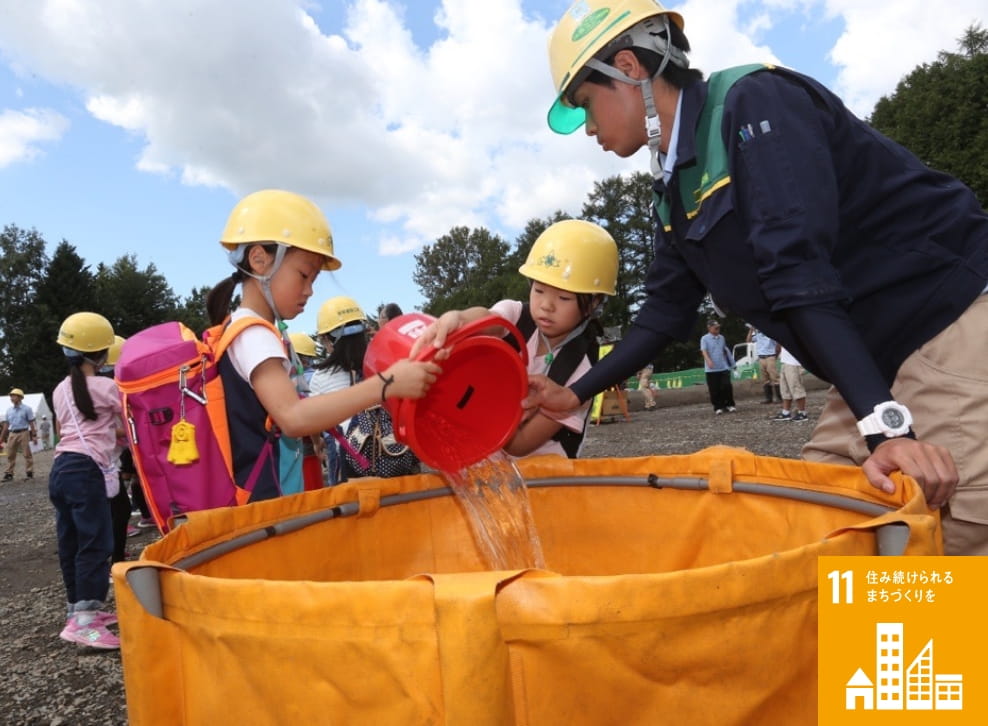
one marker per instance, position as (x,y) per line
(788,358)
(329,380)
(573,420)
(253,346)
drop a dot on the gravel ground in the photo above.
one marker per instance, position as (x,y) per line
(48,681)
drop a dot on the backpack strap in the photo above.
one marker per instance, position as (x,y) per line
(563,365)
(218,339)
(342,440)
(525,325)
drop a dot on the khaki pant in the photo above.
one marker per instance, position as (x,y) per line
(19,442)
(945,386)
(791,383)
(645,386)
(769,367)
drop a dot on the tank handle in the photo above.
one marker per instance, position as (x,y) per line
(892,539)
(145,583)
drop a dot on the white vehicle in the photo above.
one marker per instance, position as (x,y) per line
(745,361)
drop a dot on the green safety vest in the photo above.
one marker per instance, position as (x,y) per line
(710,172)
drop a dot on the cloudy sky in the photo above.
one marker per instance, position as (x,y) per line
(133,126)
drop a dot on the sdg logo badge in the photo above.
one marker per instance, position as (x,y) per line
(901,641)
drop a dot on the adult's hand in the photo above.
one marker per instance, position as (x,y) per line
(930,465)
(547,394)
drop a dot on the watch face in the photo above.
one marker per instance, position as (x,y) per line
(893,418)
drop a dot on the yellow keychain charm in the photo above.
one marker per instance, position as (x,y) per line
(182,449)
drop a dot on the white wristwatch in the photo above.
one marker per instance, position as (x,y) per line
(888,418)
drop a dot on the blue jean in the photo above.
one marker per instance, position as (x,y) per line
(334,460)
(82,523)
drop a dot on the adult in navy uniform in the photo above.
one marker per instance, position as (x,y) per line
(830,238)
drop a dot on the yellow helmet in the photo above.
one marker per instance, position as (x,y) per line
(587,27)
(273,215)
(303,344)
(113,355)
(16,392)
(574,255)
(86,333)
(338,311)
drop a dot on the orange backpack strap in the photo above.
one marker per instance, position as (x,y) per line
(218,338)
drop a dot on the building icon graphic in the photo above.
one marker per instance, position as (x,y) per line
(896,686)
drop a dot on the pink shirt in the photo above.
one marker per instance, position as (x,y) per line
(100,435)
(510,310)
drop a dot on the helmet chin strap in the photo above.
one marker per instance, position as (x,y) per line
(97,362)
(551,353)
(653,124)
(236,257)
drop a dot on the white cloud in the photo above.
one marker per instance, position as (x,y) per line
(884,41)
(22,132)
(712,27)
(390,245)
(423,137)
(130,113)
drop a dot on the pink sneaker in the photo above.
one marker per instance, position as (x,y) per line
(92,634)
(105,618)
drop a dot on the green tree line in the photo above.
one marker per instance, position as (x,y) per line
(940,112)
(41,291)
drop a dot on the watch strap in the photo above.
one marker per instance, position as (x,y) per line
(870,426)
(873,440)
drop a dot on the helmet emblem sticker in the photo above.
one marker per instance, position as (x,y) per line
(549,260)
(590,22)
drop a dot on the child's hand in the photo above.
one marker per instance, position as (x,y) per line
(437,333)
(410,379)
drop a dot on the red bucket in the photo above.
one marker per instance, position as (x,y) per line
(473,408)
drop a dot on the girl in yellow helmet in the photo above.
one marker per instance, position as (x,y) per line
(341,326)
(572,267)
(278,242)
(87,416)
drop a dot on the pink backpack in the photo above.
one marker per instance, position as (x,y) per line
(174,411)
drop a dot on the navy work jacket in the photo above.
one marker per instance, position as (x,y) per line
(830,238)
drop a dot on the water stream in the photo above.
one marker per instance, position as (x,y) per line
(495,499)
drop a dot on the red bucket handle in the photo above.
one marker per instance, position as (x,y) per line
(488,321)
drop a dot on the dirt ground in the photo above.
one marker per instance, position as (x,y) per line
(48,681)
